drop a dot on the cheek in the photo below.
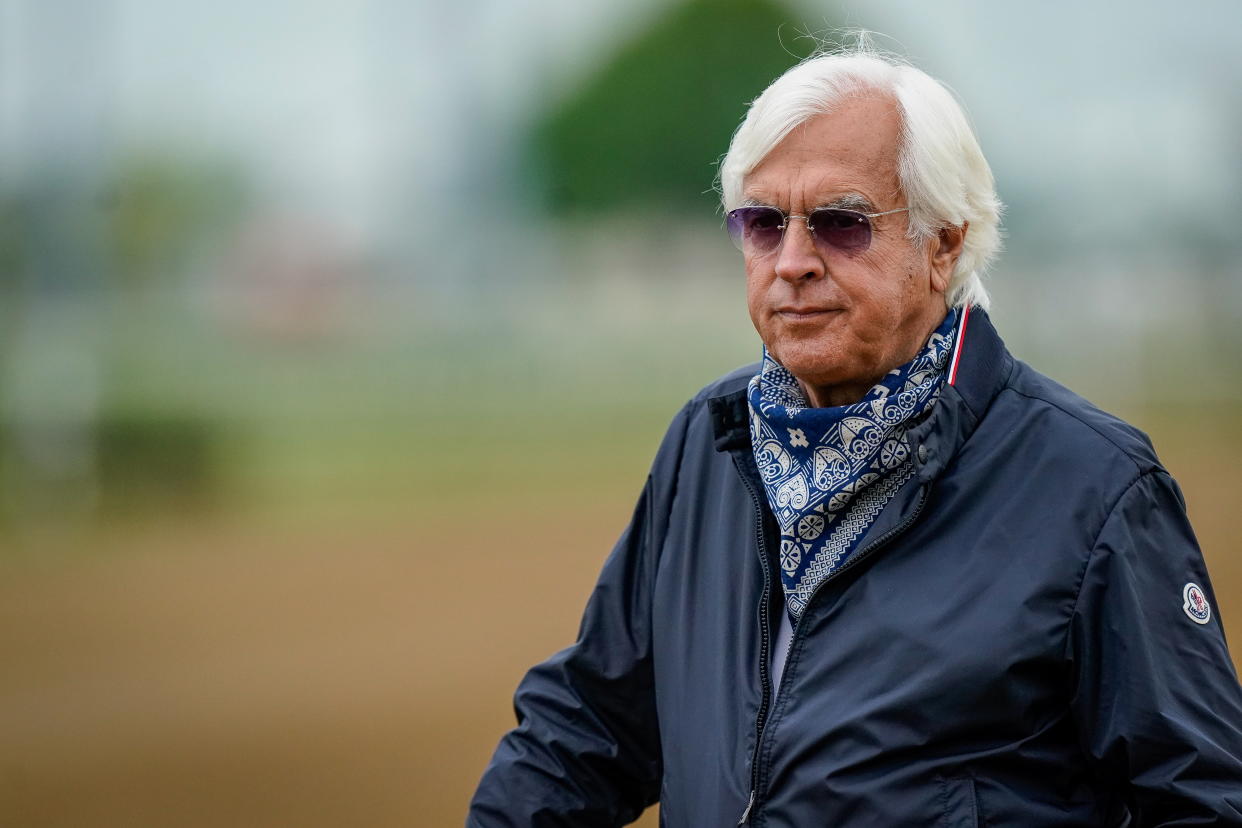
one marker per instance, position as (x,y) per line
(881,293)
(756,296)
(902,278)
(874,281)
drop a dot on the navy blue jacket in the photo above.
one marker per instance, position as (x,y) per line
(1009,646)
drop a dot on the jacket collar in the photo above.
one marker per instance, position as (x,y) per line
(979,368)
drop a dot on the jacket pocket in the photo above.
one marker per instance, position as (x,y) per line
(961,807)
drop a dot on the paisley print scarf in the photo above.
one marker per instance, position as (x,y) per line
(829,472)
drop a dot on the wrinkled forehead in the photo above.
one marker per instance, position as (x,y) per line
(853,149)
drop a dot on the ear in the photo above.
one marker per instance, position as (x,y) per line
(945,251)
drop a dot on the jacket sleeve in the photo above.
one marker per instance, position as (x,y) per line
(1156,697)
(586,751)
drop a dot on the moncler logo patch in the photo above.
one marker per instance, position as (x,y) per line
(1195,603)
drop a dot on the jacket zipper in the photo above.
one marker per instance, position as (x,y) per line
(765,634)
(852,561)
(862,555)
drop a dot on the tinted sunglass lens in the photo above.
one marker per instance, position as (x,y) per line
(756,229)
(842,229)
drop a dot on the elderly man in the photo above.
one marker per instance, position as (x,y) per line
(891,575)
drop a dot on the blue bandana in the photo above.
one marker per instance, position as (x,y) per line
(829,472)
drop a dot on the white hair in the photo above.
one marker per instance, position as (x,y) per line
(946,179)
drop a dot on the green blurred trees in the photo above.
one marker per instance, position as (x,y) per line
(649,126)
(94,262)
(163,207)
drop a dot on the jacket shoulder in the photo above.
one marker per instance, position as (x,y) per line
(1077,415)
(692,429)
(732,382)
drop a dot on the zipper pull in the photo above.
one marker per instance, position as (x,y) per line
(746,814)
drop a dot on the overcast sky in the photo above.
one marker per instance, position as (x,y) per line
(342,103)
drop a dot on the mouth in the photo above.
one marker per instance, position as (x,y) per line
(804,313)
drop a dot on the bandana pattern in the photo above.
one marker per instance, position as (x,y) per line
(829,472)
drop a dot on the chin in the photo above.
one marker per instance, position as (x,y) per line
(812,365)
(827,360)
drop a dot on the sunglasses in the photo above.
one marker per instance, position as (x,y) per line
(759,230)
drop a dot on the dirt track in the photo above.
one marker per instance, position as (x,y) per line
(240,677)
(352,674)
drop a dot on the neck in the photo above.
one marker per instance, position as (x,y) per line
(828,396)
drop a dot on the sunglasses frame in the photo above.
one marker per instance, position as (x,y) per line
(739,238)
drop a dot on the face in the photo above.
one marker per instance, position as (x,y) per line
(837,320)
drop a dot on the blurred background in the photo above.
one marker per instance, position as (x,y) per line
(336,337)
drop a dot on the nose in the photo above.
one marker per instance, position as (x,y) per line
(797,259)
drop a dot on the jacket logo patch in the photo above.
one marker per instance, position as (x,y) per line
(1195,603)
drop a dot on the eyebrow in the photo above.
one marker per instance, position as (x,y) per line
(847,201)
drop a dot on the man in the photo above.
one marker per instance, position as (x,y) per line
(891,576)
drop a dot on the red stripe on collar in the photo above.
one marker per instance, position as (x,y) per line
(957,346)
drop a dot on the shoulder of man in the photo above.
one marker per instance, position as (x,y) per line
(1071,418)
(732,382)
(693,429)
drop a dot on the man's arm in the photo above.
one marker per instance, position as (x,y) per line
(1156,697)
(586,751)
